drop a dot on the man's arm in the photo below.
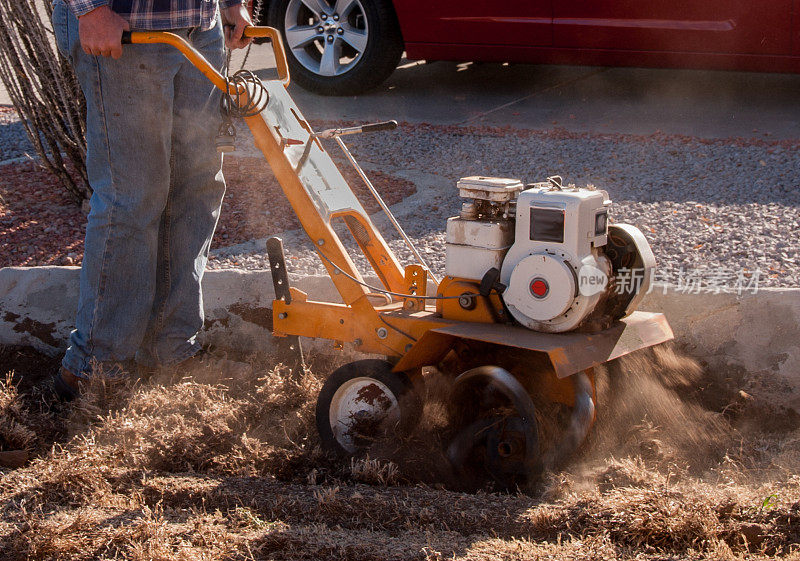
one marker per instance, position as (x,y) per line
(234,13)
(99,27)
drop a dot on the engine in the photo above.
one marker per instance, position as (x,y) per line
(560,263)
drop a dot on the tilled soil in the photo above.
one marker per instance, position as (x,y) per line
(229,467)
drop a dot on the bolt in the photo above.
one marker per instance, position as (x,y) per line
(320,29)
(330,38)
(335,17)
(382,333)
(467,301)
(282,315)
(340,31)
(357,342)
(320,242)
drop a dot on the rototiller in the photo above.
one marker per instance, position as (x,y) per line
(539,288)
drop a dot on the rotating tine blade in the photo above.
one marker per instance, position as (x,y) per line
(280,281)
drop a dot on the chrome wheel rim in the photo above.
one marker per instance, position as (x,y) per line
(328,37)
(362,410)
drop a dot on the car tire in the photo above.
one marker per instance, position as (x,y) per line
(347,55)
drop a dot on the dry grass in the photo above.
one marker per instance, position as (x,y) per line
(205,468)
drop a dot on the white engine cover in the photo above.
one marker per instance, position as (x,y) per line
(555,272)
(546,293)
(551,287)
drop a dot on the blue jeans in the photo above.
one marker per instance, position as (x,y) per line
(157,185)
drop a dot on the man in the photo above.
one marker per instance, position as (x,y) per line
(152,163)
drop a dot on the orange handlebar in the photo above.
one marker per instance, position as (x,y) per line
(277,48)
(141,37)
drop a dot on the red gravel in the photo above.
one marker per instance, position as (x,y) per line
(255,206)
(40,225)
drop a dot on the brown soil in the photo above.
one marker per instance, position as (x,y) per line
(223,466)
(41,225)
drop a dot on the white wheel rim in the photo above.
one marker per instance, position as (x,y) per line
(328,37)
(358,406)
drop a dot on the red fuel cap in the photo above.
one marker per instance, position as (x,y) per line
(539,287)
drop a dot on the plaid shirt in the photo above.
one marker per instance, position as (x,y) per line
(152,15)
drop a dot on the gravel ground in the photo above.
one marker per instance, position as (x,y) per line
(719,214)
(14,142)
(41,225)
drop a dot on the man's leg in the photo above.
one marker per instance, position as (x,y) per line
(192,210)
(129,124)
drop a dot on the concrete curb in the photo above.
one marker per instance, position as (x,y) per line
(755,336)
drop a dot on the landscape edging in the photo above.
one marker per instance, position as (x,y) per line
(755,336)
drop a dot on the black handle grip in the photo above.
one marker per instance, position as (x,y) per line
(126,38)
(376,127)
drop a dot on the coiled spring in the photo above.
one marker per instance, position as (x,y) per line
(248,105)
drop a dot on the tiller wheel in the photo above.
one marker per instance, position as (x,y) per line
(496,433)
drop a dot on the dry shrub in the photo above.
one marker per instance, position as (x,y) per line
(192,426)
(26,422)
(373,471)
(45,92)
(164,469)
(145,534)
(16,431)
(123,427)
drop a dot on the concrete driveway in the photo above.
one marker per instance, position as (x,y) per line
(621,100)
(708,104)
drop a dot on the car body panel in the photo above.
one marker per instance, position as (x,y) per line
(714,34)
(796,23)
(709,26)
(509,22)
(711,34)
(603,57)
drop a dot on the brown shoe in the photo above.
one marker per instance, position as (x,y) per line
(66,385)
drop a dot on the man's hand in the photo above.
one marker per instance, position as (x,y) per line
(101,32)
(236,19)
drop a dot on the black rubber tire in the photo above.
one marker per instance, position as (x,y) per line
(379,59)
(380,370)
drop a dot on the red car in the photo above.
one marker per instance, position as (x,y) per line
(342,47)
